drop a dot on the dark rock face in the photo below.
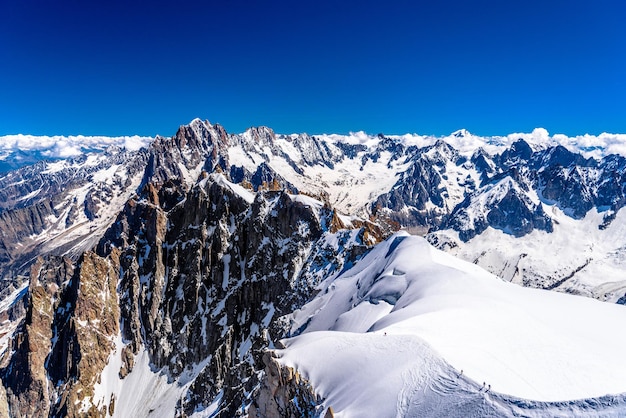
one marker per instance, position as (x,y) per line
(517,216)
(264,178)
(283,393)
(421,186)
(519,153)
(507,208)
(65,339)
(419,198)
(567,187)
(195,146)
(205,282)
(25,376)
(481,160)
(313,151)
(19,224)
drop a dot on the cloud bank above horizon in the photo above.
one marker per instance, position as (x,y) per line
(59,147)
(596,146)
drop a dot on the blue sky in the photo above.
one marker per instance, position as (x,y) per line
(492,67)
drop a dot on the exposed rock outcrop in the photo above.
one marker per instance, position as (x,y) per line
(65,339)
(206,281)
(283,392)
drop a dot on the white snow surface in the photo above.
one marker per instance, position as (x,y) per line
(145,391)
(594,258)
(7,327)
(390,337)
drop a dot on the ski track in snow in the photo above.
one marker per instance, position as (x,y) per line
(357,376)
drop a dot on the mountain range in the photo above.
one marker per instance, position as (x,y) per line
(162,279)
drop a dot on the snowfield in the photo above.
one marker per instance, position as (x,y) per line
(577,257)
(413,331)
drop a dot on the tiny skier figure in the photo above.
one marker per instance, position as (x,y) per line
(481,389)
(488,388)
(460,373)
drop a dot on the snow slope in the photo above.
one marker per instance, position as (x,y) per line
(144,392)
(8,326)
(393,333)
(578,257)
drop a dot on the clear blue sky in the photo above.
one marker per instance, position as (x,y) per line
(492,67)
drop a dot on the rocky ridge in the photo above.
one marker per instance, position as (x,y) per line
(192,251)
(202,273)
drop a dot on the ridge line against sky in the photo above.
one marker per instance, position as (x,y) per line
(596,146)
(138,68)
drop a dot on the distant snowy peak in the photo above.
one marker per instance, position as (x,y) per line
(19,150)
(465,142)
(596,146)
(416,180)
(461,133)
(462,183)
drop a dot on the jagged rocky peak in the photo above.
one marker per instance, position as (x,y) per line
(261,135)
(560,155)
(202,137)
(194,148)
(265,178)
(441,152)
(395,146)
(483,161)
(519,152)
(312,151)
(502,204)
(569,187)
(205,282)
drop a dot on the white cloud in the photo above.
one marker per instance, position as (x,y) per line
(68,146)
(588,145)
(596,146)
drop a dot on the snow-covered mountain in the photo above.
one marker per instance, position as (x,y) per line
(172,268)
(412,331)
(529,192)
